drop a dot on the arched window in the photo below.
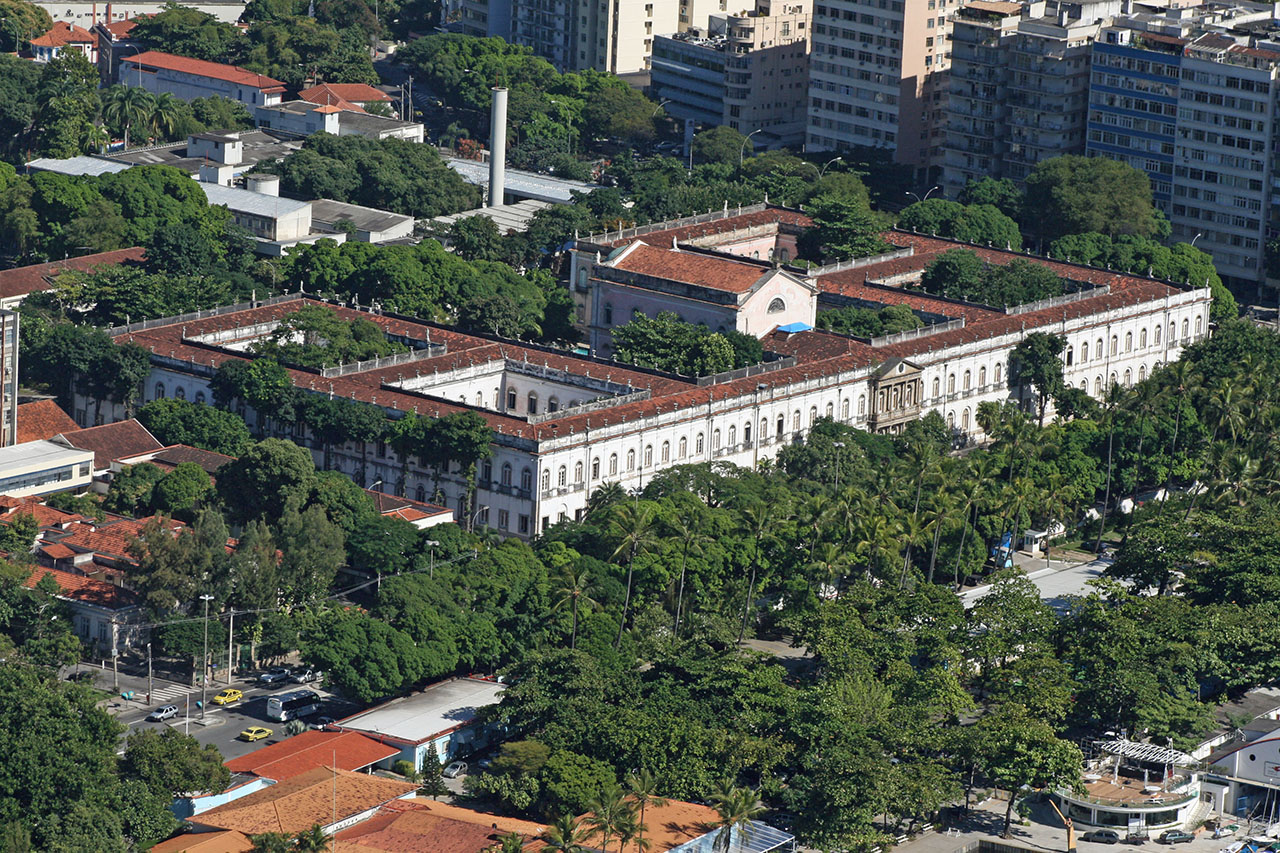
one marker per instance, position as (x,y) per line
(526,479)
(1157,335)
(784,255)
(533,402)
(1084,385)
(1128,377)
(486,473)
(546,480)
(159,390)
(951,420)
(1128,341)
(666,451)
(777,306)
(937,389)
(562,478)
(1199,325)
(1173,333)
(999,372)
(1115,345)
(608,314)
(964,420)
(511,400)
(982,374)
(862,401)
(421,494)
(199,398)
(698,444)
(1084,352)
(1142,339)
(506,473)
(782,425)
(1142,372)
(831,409)
(1113,381)
(733,436)
(682,449)
(180,393)
(497,398)
(577,473)
(951,384)
(795,420)
(553,405)
(813,415)
(1100,350)
(1186,329)
(715,439)
(595,468)
(648,456)
(966,380)
(844,410)
(613,464)
(746,433)
(1097,386)
(764,428)
(631,460)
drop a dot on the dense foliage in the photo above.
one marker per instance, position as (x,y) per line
(961,274)
(869,322)
(666,343)
(315,336)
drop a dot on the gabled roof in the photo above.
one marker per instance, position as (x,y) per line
(298,803)
(305,752)
(23,280)
(45,516)
(228,841)
(110,540)
(42,420)
(404,507)
(332,93)
(81,589)
(120,29)
(202,68)
(174,455)
(408,826)
(703,270)
(64,34)
(110,442)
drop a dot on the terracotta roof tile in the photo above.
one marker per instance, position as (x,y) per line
(420,830)
(302,801)
(202,68)
(463,814)
(356,93)
(672,825)
(206,842)
(23,280)
(64,34)
(715,273)
(42,420)
(176,454)
(110,442)
(109,540)
(85,590)
(45,516)
(698,233)
(309,750)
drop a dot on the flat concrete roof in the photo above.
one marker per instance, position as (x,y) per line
(41,454)
(368,122)
(247,201)
(430,712)
(329,212)
(81,165)
(508,217)
(523,184)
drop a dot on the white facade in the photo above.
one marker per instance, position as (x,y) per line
(42,468)
(86,14)
(193,78)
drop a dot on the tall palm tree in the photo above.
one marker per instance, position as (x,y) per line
(165,112)
(96,139)
(1110,404)
(635,527)
(736,808)
(575,589)
(511,842)
(914,529)
(684,527)
(606,496)
(644,793)
(565,835)
(127,107)
(313,840)
(759,518)
(609,812)
(631,834)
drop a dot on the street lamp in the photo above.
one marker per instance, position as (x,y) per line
(926,195)
(1195,238)
(839,445)
(660,106)
(828,163)
(743,149)
(433,544)
(204,661)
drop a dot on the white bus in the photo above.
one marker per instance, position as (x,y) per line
(289,706)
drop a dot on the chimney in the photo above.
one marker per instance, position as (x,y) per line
(498,147)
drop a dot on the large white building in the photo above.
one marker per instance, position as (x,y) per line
(188,79)
(564,425)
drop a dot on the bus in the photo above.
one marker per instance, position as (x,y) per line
(289,706)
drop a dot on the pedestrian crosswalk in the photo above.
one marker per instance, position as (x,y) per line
(171,694)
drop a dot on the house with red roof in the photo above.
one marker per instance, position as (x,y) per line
(109,444)
(347,96)
(62,37)
(188,79)
(102,613)
(42,420)
(20,282)
(97,549)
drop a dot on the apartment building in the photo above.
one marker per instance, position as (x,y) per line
(574,35)
(1019,86)
(876,77)
(1193,104)
(749,72)
(8,377)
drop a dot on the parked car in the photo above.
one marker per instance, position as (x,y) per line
(255,733)
(274,676)
(1175,836)
(320,723)
(83,676)
(164,712)
(455,769)
(305,675)
(226,697)
(1102,836)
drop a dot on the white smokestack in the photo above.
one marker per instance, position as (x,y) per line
(498,147)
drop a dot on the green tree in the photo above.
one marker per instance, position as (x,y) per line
(570,782)
(312,551)
(269,477)
(735,808)
(25,21)
(841,229)
(174,764)
(131,489)
(666,343)
(1036,362)
(1075,195)
(1002,194)
(186,31)
(1018,751)
(722,145)
(181,490)
(431,773)
(174,421)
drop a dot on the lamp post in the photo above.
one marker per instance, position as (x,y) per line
(1195,238)
(926,195)
(660,106)
(204,661)
(823,171)
(743,149)
(433,545)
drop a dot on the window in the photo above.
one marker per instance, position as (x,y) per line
(999,372)
(1186,329)
(159,390)
(613,464)
(595,468)
(421,494)
(553,405)
(1142,339)
(648,455)
(666,451)
(1097,386)
(830,409)
(937,389)
(506,473)
(964,420)
(577,473)
(1099,350)
(795,420)
(951,384)
(533,403)
(562,477)
(486,473)
(844,410)
(523,525)
(1157,336)
(608,314)
(777,306)
(982,372)
(1115,345)
(1199,325)
(1084,352)
(504,519)
(511,400)
(1128,377)
(1113,381)
(631,460)
(546,480)
(682,449)
(1128,341)
(715,439)
(526,479)
(967,377)
(746,434)
(697,445)
(733,436)
(199,398)
(782,425)
(1142,372)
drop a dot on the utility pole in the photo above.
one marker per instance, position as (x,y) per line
(204,661)
(432,544)
(115,655)
(231,627)
(149,681)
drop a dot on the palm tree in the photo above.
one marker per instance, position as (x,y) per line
(634,525)
(631,831)
(96,139)
(644,793)
(609,812)
(313,840)
(576,591)
(684,527)
(165,112)
(913,533)
(759,517)
(566,835)
(127,106)
(606,496)
(512,842)
(736,808)
(1110,404)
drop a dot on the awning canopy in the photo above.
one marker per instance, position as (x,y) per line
(1147,752)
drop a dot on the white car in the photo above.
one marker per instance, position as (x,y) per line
(164,712)
(455,769)
(274,676)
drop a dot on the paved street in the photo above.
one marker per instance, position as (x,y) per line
(1056,581)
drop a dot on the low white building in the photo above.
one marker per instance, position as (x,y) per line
(305,118)
(188,79)
(42,468)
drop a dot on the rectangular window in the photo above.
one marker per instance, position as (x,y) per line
(524,524)
(504,519)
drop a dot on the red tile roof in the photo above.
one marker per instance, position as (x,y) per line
(698,233)
(64,34)
(42,420)
(734,275)
(110,540)
(332,93)
(418,830)
(176,454)
(45,516)
(110,442)
(309,750)
(227,841)
(390,504)
(120,29)
(23,280)
(202,68)
(84,590)
(298,803)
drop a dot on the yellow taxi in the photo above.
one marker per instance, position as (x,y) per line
(255,733)
(226,697)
